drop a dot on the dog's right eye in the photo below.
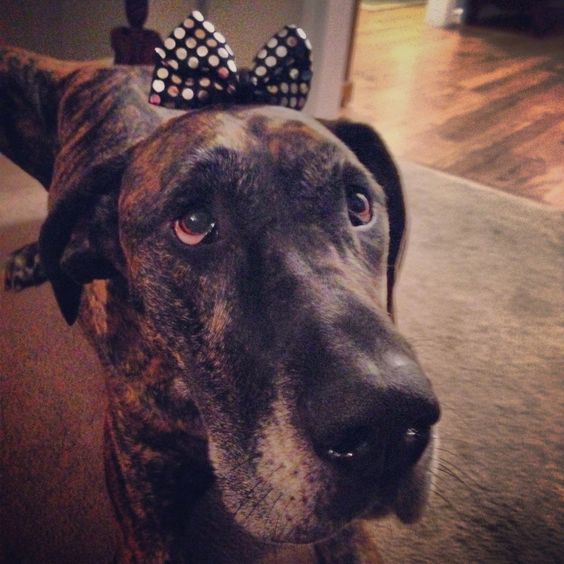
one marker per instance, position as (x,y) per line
(360,208)
(194,227)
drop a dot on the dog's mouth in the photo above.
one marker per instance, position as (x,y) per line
(292,498)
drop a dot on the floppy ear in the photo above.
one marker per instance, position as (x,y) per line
(79,241)
(371,151)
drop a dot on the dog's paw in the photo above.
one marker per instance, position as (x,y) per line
(23,269)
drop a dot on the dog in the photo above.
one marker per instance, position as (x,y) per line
(233,267)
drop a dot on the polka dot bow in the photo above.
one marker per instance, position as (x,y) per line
(197,68)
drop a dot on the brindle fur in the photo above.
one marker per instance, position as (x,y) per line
(208,350)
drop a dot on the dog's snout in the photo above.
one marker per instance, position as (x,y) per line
(372,424)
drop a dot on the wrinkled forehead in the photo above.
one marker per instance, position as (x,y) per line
(231,144)
(239,128)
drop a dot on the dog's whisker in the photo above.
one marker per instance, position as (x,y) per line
(452,467)
(436,492)
(452,474)
(441,448)
(273,508)
(241,463)
(246,498)
(291,499)
(283,512)
(259,481)
(256,504)
(452,439)
(442,467)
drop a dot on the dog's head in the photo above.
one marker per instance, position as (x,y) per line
(254,243)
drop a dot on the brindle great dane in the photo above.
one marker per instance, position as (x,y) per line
(229,265)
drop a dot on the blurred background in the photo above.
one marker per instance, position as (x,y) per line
(470,87)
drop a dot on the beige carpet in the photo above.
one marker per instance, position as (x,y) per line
(482,298)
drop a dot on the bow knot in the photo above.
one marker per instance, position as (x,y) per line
(197,67)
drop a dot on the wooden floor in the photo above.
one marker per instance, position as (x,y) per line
(482,104)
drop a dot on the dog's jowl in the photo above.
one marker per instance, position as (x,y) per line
(233,267)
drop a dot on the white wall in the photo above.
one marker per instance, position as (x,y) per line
(328,24)
(440,13)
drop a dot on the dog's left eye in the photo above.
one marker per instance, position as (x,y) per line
(360,209)
(196,226)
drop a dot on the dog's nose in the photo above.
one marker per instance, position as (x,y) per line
(375,424)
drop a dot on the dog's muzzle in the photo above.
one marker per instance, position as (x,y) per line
(362,408)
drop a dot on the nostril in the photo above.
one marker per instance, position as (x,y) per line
(413,443)
(415,435)
(375,448)
(351,445)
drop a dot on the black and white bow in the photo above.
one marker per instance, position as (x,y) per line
(196,68)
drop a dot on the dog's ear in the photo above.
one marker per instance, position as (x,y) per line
(374,155)
(79,239)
